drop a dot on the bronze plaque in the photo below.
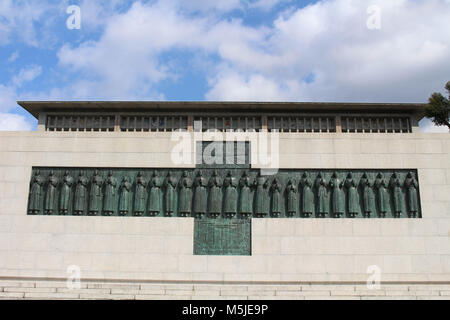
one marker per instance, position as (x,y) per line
(221,237)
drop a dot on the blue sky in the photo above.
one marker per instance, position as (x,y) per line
(267,50)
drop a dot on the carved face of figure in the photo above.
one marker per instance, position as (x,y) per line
(185,174)
(349,176)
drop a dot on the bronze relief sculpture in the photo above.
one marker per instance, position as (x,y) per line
(238,194)
(65,194)
(124,198)
(170,185)
(140,194)
(368,195)
(246,198)
(34,202)
(185,195)
(382,194)
(276,190)
(352,196)
(81,194)
(154,203)
(231,195)
(95,196)
(397,195)
(261,196)
(322,196)
(292,201)
(215,195)
(307,195)
(200,200)
(50,196)
(411,185)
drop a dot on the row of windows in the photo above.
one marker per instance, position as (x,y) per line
(222,124)
(166,123)
(376,124)
(301,124)
(80,123)
(154,123)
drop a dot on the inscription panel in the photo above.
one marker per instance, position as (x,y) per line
(222,237)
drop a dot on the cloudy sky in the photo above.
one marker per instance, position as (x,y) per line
(265,50)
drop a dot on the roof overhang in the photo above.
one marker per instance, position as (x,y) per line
(37,107)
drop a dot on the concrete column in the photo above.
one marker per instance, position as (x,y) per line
(42,122)
(338,124)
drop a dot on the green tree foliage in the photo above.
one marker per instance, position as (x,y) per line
(438,108)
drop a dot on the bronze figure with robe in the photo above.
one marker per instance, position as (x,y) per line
(110,195)
(154,203)
(382,194)
(397,194)
(95,195)
(276,190)
(322,196)
(170,185)
(64,197)
(352,196)
(337,196)
(215,195)
(185,195)
(411,185)
(261,196)
(246,198)
(368,195)
(140,194)
(124,197)
(292,200)
(200,201)
(231,195)
(35,198)
(50,196)
(307,195)
(81,195)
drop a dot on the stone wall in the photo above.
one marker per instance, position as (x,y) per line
(284,250)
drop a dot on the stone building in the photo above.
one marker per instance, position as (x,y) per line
(142,200)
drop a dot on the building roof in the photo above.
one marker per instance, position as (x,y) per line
(37,107)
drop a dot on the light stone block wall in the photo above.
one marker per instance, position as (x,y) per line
(283,250)
(87,290)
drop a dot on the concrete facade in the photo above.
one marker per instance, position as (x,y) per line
(412,254)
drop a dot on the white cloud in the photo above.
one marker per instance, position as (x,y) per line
(13,57)
(404,61)
(13,122)
(7,98)
(427,126)
(26,75)
(18,19)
